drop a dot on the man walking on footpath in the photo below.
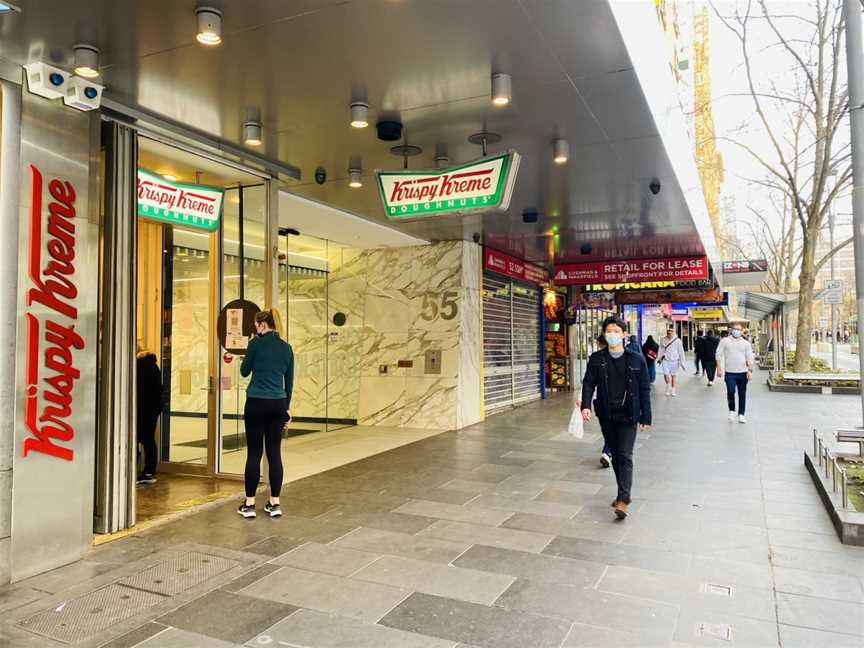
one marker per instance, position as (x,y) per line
(619,376)
(671,357)
(709,355)
(699,352)
(735,360)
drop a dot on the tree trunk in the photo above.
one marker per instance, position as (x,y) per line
(807,282)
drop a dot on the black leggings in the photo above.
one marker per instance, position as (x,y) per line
(264,418)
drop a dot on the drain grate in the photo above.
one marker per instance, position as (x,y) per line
(91,613)
(720,631)
(179,574)
(718,590)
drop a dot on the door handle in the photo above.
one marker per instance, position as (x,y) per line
(209,387)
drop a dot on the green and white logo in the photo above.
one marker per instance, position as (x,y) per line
(485,184)
(196,206)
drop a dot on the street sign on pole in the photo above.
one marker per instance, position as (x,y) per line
(832,292)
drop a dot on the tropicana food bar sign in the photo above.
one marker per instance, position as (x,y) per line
(485,184)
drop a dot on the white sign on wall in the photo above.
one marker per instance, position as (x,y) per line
(832,292)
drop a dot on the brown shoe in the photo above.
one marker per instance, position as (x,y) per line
(614,503)
(621,510)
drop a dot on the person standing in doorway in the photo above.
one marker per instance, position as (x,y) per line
(709,355)
(671,358)
(698,352)
(270,360)
(149,405)
(619,377)
(649,351)
(735,360)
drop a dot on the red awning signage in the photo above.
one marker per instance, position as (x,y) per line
(504,264)
(629,271)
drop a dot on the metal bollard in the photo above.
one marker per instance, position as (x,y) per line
(835,472)
(815,442)
(819,450)
(844,489)
(827,461)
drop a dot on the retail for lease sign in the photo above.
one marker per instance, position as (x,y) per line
(634,270)
(485,184)
(195,206)
(512,267)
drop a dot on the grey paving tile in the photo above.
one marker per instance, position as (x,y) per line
(522,505)
(136,636)
(386,521)
(810,583)
(478,625)
(355,599)
(475,514)
(299,529)
(536,482)
(799,523)
(63,578)
(713,570)
(251,577)
(537,567)
(836,562)
(493,469)
(273,546)
(746,633)
(821,614)
(804,540)
(215,535)
(122,551)
(609,529)
(310,628)
(486,535)
(557,496)
(586,636)
(469,486)
(648,618)
(434,578)
(795,637)
(15,596)
(619,554)
(174,638)
(231,617)
(402,544)
(329,559)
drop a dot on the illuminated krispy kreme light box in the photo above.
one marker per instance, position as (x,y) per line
(195,206)
(633,270)
(485,184)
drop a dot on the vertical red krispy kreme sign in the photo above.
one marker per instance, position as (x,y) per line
(51,339)
(512,267)
(632,270)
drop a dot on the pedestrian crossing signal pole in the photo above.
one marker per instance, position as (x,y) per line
(855,68)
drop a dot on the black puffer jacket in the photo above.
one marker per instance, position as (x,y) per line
(638,386)
(149,386)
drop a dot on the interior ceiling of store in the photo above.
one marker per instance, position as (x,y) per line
(427,62)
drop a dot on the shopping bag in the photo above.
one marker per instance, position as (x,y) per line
(576,428)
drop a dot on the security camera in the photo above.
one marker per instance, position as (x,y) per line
(654,186)
(46,80)
(83,94)
(475,237)
(320,175)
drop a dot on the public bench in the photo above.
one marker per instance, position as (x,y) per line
(851,435)
(788,375)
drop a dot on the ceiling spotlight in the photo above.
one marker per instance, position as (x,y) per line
(562,151)
(86,60)
(502,89)
(355,178)
(169,177)
(209,26)
(252,133)
(7,7)
(359,114)
(442,159)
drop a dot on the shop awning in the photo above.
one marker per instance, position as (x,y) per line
(757,306)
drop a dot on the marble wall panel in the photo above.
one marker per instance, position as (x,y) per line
(389,269)
(437,267)
(469,400)
(382,400)
(472,264)
(429,403)
(386,310)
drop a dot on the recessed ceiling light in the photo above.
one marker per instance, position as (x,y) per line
(7,7)
(86,60)
(562,151)
(169,177)
(502,89)
(252,133)
(359,114)
(209,26)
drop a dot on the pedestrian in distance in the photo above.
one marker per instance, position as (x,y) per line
(149,404)
(699,352)
(618,376)
(671,358)
(709,356)
(270,361)
(735,361)
(649,351)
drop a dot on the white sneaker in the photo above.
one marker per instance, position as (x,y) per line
(741,418)
(668,391)
(674,393)
(710,383)
(605,460)
(731,416)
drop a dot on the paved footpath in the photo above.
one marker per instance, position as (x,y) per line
(498,536)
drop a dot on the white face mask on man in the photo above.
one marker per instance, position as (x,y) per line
(736,333)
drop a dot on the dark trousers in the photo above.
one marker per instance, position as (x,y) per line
(620,439)
(698,360)
(147,439)
(264,419)
(710,367)
(652,371)
(736,381)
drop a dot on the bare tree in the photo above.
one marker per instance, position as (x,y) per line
(804,151)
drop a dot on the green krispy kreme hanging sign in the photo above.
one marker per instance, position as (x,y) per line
(485,184)
(195,206)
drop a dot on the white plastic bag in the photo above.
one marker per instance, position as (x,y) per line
(576,428)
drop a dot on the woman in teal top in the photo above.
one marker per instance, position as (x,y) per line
(270,360)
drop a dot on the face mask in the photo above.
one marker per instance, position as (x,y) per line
(613,339)
(736,333)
